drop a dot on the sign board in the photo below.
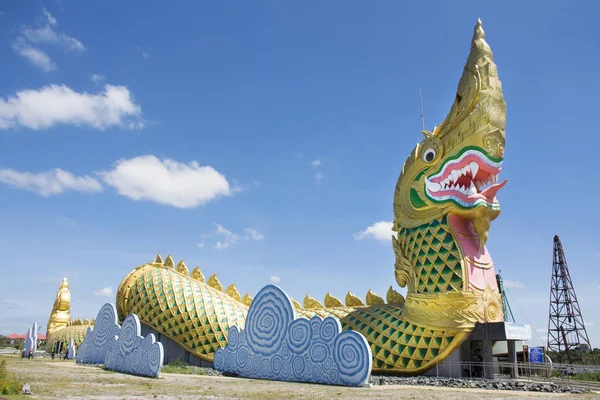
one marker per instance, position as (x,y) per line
(517,331)
(536,355)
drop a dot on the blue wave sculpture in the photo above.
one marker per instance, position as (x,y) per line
(277,346)
(121,349)
(133,354)
(98,339)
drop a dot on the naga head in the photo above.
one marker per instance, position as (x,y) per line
(61,310)
(454,170)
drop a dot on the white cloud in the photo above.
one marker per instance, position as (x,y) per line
(36,56)
(316,163)
(275,279)
(222,245)
(106,292)
(200,245)
(54,104)
(513,284)
(167,181)
(319,177)
(379,231)
(51,182)
(30,38)
(253,234)
(47,35)
(98,78)
(49,17)
(229,238)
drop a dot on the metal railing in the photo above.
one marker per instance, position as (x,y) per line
(577,376)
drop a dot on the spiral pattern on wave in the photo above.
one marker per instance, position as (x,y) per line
(352,357)
(318,352)
(105,322)
(300,335)
(219,360)
(329,329)
(233,337)
(269,322)
(128,334)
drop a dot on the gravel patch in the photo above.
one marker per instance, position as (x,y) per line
(475,384)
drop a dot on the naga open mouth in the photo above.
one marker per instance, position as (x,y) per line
(465,180)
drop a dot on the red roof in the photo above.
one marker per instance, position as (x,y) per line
(40,336)
(16,336)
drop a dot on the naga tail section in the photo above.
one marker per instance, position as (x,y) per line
(195,314)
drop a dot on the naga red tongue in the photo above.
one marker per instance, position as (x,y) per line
(490,192)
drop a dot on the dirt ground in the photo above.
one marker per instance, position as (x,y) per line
(57,379)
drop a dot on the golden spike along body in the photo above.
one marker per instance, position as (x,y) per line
(331,301)
(86,321)
(158,259)
(353,301)
(182,268)
(232,292)
(169,263)
(93,321)
(213,282)
(297,305)
(373,299)
(197,274)
(393,297)
(309,302)
(247,300)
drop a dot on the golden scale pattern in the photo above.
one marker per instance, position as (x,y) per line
(434,254)
(395,342)
(75,332)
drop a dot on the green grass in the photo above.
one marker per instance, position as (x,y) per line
(9,384)
(587,376)
(181,367)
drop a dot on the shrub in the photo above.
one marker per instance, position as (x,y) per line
(8,382)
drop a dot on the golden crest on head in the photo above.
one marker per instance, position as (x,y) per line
(426,190)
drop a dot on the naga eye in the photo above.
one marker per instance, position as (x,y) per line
(429,155)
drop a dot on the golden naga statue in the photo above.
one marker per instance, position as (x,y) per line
(443,209)
(61,328)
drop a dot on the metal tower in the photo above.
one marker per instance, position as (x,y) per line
(508,314)
(566,331)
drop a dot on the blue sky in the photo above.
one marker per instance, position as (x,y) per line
(259,139)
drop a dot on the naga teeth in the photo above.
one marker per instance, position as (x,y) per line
(455,175)
(474,168)
(479,185)
(433,187)
(494,179)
